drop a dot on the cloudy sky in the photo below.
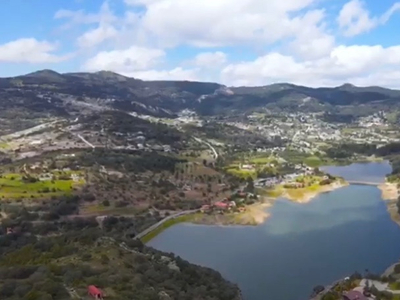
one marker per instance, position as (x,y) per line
(234,42)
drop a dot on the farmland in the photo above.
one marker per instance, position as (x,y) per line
(17,186)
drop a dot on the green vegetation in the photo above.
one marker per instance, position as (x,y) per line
(262,160)
(166,225)
(129,160)
(20,186)
(244,174)
(394,285)
(313,161)
(40,260)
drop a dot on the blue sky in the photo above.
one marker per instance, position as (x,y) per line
(235,42)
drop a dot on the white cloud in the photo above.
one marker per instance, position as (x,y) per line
(79,17)
(137,62)
(344,64)
(210,59)
(174,74)
(293,38)
(29,50)
(313,41)
(125,61)
(96,36)
(224,22)
(355,19)
(387,15)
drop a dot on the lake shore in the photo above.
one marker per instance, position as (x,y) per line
(305,196)
(389,191)
(390,194)
(254,215)
(257,213)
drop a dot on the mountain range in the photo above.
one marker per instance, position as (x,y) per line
(48,92)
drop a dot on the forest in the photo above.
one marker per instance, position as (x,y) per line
(48,259)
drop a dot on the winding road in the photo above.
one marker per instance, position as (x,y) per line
(209,145)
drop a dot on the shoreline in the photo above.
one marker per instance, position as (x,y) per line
(310,195)
(255,214)
(390,194)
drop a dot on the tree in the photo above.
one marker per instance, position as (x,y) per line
(104,259)
(250,185)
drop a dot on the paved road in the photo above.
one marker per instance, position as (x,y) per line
(209,145)
(171,217)
(86,141)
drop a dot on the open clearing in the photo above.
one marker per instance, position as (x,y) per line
(15,186)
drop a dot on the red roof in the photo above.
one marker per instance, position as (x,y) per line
(221,204)
(94,291)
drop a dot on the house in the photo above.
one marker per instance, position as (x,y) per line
(247,167)
(221,205)
(354,295)
(94,292)
(242,194)
(10,230)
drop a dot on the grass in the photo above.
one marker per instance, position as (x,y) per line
(261,160)
(166,225)
(349,130)
(276,192)
(242,173)
(13,186)
(313,161)
(395,286)
(4,145)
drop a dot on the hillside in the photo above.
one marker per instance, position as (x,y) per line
(59,259)
(47,92)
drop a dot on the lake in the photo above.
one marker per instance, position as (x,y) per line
(300,245)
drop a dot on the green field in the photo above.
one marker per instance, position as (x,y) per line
(242,173)
(395,286)
(14,186)
(262,160)
(313,161)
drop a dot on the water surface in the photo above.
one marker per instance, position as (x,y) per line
(299,246)
(369,172)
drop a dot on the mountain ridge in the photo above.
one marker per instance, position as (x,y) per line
(166,98)
(109,74)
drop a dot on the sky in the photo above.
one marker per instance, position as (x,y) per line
(233,42)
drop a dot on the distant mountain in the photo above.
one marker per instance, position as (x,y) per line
(52,92)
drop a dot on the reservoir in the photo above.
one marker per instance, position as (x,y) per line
(300,245)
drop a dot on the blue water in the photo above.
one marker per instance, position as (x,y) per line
(370,172)
(299,246)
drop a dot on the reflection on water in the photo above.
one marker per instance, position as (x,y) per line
(370,172)
(299,247)
(337,208)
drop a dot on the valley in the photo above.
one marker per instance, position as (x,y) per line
(90,161)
